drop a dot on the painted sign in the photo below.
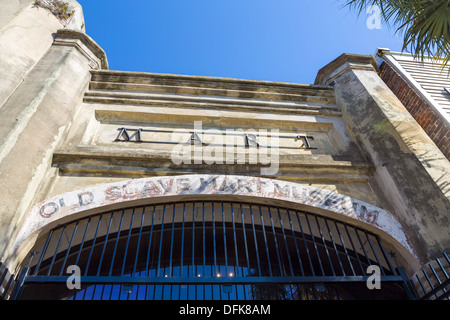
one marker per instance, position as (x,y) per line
(125,192)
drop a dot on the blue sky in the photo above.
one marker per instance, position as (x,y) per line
(275,40)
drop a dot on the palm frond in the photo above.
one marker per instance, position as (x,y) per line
(425,24)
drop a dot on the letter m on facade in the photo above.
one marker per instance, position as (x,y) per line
(124,135)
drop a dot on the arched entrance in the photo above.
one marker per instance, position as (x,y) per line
(207,246)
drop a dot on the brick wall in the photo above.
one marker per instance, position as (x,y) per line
(436,129)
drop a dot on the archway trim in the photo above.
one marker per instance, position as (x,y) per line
(71,203)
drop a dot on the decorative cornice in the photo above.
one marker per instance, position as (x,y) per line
(342,65)
(85,44)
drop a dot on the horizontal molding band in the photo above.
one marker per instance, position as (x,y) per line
(207,280)
(203,81)
(102,160)
(211,105)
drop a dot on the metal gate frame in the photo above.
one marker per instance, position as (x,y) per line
(329,242)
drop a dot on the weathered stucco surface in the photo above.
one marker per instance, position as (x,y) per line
(91,156)
(64,152)
(412,173)
(35,119)
(26,33)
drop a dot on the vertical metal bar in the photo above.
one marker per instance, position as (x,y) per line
(276,243)
(448,262)
(103,292)
(82,241)
(254,238)
(93,244)
(111,292)
(406,284)
(314,243)
(245,239)
(345,247)
(139,241)
(296,245)
(182,239)
(421,285)
(375,254)
(171,243)
(265,240)
(354,249)
(334,246)
(443,271)
(325,246)
(163,286)
(117,241)
(93,291)
(386,258)
(204,239)
(44,249)
(161,241)
(285,242)
(84,294)
(224,238)
(104,245)
(147,266)
(245,291)
(193,240)
(56,251)
(429,281)
(437,277)
(154,291)
(204,247)
(194,267)
(214,238)
(362,246)
(128,241)
(235,241)
(442,268)
(18,286)
(447,258)
(306,243)
(68,248)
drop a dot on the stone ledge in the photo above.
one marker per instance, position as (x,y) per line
(70,37)
(342,64)
(85,160)
(190,90)
(113,75)
(220,104)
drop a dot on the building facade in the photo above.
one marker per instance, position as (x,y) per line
(154,186)
(424,89)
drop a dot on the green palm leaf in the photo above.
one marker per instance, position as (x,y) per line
(425,24)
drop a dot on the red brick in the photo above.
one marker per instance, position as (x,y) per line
(420,111)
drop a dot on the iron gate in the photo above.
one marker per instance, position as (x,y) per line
(208,250)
